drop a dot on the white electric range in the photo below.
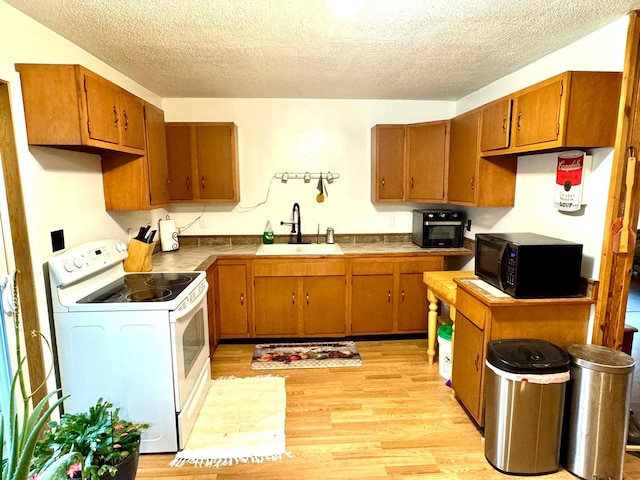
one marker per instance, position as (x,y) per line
(138,340)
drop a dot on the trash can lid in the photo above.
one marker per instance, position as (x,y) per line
(445,331)
(601,359)
(527,356)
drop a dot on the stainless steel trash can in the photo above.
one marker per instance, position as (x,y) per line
(524,394)
(597,416)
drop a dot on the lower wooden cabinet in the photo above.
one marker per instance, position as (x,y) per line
(388,295)
(299,298)
(468,364)
(232,300)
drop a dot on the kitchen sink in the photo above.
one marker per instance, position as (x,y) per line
(300,249)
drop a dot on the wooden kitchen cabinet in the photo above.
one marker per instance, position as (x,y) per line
(139,183)
(71,107)
(409,162)
(482,317)
(299,298)
(570,110)
(232,299)
(388,295)
(203,162)
(474,180)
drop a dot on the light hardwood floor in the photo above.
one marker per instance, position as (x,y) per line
(392,418)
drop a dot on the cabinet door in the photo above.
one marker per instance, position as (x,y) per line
(372,304)
(387,152)
(211,309)
(179,154)
(324,305)
(463,158)
(102,109)
(232,300)
(412,303)
(537,115)
(157,156)
(131,121)
(277,302)
(217,164)
(495,125)
(468,365)
(427,157)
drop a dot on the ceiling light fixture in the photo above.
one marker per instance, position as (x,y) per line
(344,8)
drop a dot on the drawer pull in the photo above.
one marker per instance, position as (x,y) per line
(477,362)
(307,298)
(188,183)
(402,295)
(389,296)
(382,182)
(293,298)
(504,124)
(242,299)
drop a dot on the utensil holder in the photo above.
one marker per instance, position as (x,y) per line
(139,259)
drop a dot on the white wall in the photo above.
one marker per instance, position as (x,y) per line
(277,135)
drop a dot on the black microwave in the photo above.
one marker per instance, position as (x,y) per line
(438,228)
(527,265)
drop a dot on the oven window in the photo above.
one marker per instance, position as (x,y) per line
(487,257)
(193,341)
(442,232)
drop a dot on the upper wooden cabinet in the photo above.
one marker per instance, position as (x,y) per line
(571,110)
(409,162)
(475,180)
(70,106)
(139,183)
(203,162)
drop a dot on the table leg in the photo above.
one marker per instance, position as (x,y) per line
(432,321)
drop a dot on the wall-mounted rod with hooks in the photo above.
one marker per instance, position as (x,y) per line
(306,176)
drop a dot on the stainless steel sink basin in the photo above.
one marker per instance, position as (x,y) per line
(300,249)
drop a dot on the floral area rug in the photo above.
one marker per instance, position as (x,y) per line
(241,420)
(305,355)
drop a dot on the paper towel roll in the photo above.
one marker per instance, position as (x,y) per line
(168,235)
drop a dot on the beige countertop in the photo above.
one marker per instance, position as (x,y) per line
(190,257)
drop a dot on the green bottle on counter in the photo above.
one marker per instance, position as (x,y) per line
(267,236)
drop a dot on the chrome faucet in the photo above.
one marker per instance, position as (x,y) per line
(295,222)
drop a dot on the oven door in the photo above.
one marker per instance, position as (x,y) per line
(190,338)
(442,233)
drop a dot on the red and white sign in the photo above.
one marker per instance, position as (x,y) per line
(569,181)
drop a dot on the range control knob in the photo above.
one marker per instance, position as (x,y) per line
(67,265)
(77,263)
(442,215)
(121,247)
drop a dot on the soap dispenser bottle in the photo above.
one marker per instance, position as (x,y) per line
(267,236)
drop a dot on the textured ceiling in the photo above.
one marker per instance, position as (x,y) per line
(392,49)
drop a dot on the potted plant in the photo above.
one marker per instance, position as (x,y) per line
(108,445)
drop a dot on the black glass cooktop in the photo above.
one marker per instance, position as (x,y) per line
(142,287)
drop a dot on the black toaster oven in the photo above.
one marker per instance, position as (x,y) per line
(438,228)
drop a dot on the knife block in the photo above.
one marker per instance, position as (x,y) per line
(139,259)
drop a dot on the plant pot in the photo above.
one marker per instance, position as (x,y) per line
(127,469)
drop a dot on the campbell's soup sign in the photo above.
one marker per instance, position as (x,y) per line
(569,181)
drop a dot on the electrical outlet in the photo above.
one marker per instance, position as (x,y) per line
(391,221)
(203,222)
(57,240)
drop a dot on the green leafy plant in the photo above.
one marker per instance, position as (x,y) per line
(99,436)
(20,425)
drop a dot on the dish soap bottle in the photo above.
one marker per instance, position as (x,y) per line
(267,236)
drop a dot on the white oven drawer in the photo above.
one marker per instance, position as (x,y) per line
(187,417)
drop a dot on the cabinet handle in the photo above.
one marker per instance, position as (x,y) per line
(166,181)
(477,361)
(202,182)
(411,183)
(389,296)
(519,117)
(293,298)
(307,298)
(242,299)
(126,119)
(188,182)
(115,117)
(402,295)
(473,182)
(382,182)
(504,124)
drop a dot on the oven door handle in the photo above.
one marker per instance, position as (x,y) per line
(437,223)
(194,305)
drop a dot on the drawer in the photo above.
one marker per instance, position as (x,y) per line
(298,268)
(371,267)
(471,308)
(422,265)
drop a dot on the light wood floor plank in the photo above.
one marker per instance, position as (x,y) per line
(393,418)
